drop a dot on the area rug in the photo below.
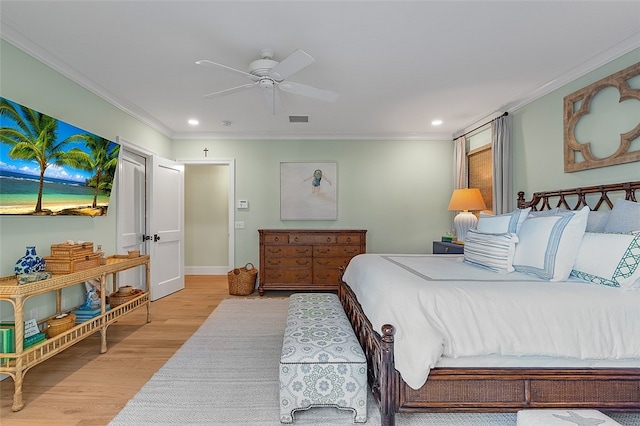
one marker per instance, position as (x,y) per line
(227,374)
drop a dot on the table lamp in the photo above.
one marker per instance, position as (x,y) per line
(464,200)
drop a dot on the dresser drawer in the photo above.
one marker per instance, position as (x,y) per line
(336,251)
(275,238)
(312,239)
(326,276)
(298,276)
(330,262)
(288,262)
(349,239)
(288,251)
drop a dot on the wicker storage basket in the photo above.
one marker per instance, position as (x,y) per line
(116,299)
(60,324)
(60,265)
(71,251)
(242,281)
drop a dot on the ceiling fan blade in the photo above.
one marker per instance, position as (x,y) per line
(309,91)
(231,90)
(291,65)
(272,97)
(226,68)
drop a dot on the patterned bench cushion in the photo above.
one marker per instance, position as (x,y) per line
(322,363)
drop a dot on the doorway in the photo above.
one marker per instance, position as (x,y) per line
(209,216)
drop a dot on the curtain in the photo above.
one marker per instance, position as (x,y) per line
(502,147)
(460,176)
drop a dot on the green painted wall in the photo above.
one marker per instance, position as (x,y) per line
(397,190)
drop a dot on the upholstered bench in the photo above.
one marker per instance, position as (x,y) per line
(322,363)
(553,417)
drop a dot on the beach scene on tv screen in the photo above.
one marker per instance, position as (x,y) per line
(49,167)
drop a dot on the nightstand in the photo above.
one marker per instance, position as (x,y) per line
(440,247)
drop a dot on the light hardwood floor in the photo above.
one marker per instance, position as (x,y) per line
(80,386)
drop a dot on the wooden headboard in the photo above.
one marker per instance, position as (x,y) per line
(573,199)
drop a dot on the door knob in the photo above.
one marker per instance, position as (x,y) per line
(156,237)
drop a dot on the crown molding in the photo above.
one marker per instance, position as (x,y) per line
(625,46)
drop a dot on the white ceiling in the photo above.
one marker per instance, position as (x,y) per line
(397,65)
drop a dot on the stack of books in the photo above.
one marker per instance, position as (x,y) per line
(83,315)
(7,344)
(33,340)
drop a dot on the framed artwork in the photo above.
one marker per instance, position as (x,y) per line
(582,152)
(50,168)
(309,191)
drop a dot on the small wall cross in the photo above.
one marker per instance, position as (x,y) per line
(205,151)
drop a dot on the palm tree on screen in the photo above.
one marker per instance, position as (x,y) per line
(34,138)
(102,160)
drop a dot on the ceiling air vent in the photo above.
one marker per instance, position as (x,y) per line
(298,119)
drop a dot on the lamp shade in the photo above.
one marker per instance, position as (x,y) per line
(466,199)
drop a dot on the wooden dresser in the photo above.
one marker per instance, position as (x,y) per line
(295,259)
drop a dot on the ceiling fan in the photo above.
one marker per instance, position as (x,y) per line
(270,75)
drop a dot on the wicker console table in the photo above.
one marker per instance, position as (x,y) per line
(22,360)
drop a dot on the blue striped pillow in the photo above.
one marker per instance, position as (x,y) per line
(491,251)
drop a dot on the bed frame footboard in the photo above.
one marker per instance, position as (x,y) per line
(378,349)
(485,389)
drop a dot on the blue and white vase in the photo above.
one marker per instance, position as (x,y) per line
(30,262)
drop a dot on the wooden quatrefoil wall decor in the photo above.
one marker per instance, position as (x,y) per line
(579,156)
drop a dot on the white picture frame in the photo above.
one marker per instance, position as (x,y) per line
(309,190)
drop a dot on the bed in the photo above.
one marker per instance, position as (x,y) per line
(447,375)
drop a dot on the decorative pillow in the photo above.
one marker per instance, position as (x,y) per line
(491,251)
(609,259)
(624,218)
(503,223)
(549,244)
(597,220)
(538,213)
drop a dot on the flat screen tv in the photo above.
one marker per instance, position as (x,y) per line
(49,167)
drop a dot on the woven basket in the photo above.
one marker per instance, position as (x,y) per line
(116,299)
(242,281)
(57,326)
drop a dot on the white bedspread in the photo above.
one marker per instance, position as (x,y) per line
(441,306)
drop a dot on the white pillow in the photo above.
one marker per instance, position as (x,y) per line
(624,217)
(609,259)
(549,244)
(491,251)
(503,223)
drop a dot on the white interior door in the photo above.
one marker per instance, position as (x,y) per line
(131,220)
(166,218)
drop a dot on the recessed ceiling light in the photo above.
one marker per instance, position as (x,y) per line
(436,122)
(193,122)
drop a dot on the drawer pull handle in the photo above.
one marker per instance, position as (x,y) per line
(328,239)
(276,239)
(295,240)
(348,239)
